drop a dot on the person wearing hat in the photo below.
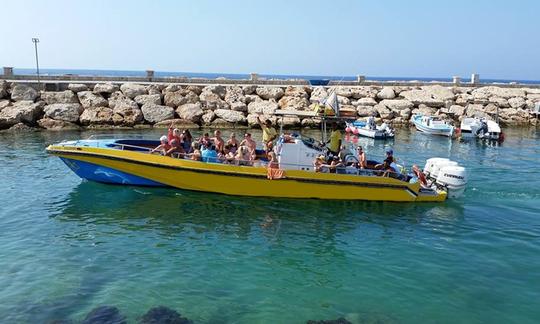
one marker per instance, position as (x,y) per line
(387,162)
(319,163)
(163,147)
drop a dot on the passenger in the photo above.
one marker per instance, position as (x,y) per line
(209,154)
(176,147)
(187,140)
(420,175)
(389,158)
(335,140)
(218,141)
(362,162)
(343,152)
(163,147)
(268,132)
(250,143)
(244,156)
(174,134)
(271,156)
(319,163)
(387,168)
(204,140)
(227,156)
(334,164)
(233,143)
(196,151)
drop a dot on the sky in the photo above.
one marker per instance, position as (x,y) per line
(415,38)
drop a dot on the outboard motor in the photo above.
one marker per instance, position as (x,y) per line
(430,164)
(371,123)
(454,179)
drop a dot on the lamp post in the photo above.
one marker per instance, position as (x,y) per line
(36,41)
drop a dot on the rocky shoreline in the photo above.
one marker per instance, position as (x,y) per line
(132,105)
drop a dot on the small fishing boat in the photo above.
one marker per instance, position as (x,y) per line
(432,125)
(480,128)
(370,129)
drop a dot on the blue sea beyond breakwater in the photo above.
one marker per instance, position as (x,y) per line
(238,76)
(68,246)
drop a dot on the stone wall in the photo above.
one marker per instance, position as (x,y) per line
(108,105)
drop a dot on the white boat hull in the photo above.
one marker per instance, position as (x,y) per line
(438,129)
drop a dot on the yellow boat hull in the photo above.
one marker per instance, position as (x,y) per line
(245,180)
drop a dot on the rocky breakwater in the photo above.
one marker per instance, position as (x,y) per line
(108,105)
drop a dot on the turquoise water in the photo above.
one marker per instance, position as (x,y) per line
(68,246)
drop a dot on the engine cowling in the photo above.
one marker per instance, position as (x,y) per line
(453,178)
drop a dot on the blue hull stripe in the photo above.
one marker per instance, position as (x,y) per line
(103,174)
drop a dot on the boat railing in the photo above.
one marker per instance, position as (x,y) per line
(116,136)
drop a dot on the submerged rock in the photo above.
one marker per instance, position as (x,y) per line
(104,315)
(56,125)
(163,315)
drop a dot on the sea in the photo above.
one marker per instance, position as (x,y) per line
(68,245)
(238,76)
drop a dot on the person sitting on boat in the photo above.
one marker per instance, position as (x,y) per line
(250,144)
(226,156)
(319,163)
(389,158)
(244,156)
(163,147)
(196,151)
(362,162)
(334,164)
(272,156)
(204,140)
(218,141)
(420,175)
(209,153)
(335,140)
(187,140)
(387,168)
(176,149)
(269,133)
(174,133)
(233,143)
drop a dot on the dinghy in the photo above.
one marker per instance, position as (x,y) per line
(432,125)
(480,128)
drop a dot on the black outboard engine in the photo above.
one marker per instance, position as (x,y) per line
(483,129)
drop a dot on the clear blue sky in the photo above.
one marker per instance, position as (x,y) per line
(496,38)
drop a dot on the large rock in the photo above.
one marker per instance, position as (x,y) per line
(386,93)
(157,113)
(127,113)
(383,111)
(475,110)
(180,97)
(516,102)
(230,116)
(154,99)
(105,88)
(3,89)
(195,89)
(397,104)
(22,92)
(236,99)
(270,92)
(318,94)
(266,107)
(364,92)
(69,112)
(132,90)
(299,92)
(118,98)
(61,97)
(211,100)
(219,90)
(77,87)
(365,102)
(154,89)
(456,110)
(366,111)
(311,122)
(208,117)
(4,103)
(293,103)
(434,96)
(249,89)
(56,125)
(506,93)
(191,112)
(96,116)
(501,102)
(290,121)
(21,127)
(89,99)
(20,112)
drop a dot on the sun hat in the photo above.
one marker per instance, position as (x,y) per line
(389,150)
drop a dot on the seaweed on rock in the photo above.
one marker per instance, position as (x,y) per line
(163,315)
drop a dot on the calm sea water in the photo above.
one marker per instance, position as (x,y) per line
(67,246)
(165,74)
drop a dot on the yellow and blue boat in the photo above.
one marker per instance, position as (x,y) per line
(128,162)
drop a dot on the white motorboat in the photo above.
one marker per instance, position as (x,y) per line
(370,129)
(481,128)
(433,125)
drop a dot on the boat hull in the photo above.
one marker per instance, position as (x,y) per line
(246,181)
(431,130)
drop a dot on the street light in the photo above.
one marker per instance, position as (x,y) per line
(36,41)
